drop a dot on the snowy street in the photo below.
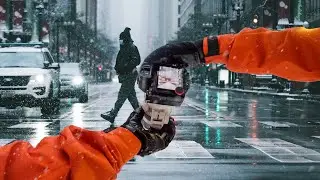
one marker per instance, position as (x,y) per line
(220,134)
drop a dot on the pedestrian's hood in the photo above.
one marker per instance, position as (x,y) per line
(22,71)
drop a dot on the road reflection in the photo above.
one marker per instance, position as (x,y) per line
(77,115)
(41,131)
(254,123)
(218,130)
(207,129)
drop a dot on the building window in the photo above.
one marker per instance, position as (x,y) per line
(179,23)
(179,9)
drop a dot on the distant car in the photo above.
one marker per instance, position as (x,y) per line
(238,84)
(73,82)
(29,77)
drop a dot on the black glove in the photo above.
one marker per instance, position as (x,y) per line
(152,140)
(188,53)
(179,55)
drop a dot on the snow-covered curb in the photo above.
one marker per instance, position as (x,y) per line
(288,95)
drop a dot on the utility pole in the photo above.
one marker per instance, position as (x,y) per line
(37,20)
(95,27)
(292,9)
(86,44)
(275,14)
(57,43)
(9,21)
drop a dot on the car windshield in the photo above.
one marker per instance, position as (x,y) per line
(69,69)
(21,59)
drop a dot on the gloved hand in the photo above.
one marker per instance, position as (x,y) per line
(152,140)
(187,53)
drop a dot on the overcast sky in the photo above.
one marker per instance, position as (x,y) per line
(129,13)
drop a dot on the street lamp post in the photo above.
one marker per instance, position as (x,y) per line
(238,8)
(207,27)
(57,37)
(9,22)
(69,25)
(37,19)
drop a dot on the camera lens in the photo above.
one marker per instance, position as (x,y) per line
(179,91)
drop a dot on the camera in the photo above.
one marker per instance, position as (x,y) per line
(164,85)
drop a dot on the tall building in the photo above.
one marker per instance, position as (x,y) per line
(103,17)
(87,12)
(188,8)
(211,7)
(153,25)
(162,22)
(168,20)
(312,12)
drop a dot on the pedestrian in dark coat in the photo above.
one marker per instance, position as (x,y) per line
(128,59)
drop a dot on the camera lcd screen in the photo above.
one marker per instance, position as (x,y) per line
(169,78)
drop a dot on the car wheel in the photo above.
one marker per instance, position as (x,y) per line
(83,98)
(51,105)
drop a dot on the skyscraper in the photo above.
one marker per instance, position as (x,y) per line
(153,25)
(168,20)
(103,17)
(162,22)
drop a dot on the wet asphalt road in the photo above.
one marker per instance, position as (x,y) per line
(220,134)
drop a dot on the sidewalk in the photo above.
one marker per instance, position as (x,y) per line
(268,93)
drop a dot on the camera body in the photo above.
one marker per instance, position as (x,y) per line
(165,87)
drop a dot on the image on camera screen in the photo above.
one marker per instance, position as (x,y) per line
(169,78)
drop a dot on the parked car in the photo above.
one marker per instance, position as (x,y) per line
(73,82)
(29,77)
(238,84)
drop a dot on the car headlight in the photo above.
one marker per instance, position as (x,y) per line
(38,78)
(77,80)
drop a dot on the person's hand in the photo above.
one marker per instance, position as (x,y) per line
(152,140)
(189,54)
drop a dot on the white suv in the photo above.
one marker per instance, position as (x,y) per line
(29,77)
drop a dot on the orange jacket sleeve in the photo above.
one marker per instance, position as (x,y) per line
(74,154)
(293,53)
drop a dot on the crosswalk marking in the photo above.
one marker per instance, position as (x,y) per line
(277,124)
(5,141)
(91,125)
(221,124)
(184,150)
(283,151)
(31,125)
(33,141)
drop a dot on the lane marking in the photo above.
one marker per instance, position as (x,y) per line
(71,110)
(283,151)
(184,150)
(316,137)
(212,113)
(30,125)
(276,124)
(221,124)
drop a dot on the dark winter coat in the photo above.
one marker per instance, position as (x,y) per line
(128,59)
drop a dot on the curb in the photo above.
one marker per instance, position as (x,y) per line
(284,95)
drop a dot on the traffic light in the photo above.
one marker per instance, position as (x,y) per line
(100,67)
